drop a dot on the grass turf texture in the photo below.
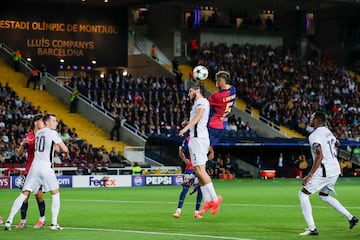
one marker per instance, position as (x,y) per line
(251,209)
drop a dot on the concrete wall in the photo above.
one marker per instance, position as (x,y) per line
(240,38)
(143,65)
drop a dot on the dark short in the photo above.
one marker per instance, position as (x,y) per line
(215,134)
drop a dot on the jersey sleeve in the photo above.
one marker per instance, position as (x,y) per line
(55,137)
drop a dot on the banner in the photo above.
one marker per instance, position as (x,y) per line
(64,181)
(102,181)
(5,182)
(157,180)
(48,33)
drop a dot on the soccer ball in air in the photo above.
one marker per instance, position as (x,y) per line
(200,72)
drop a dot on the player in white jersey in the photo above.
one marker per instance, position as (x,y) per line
(199,146)
(323,174)
(41,172)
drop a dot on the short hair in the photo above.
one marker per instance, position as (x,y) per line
(37,117)
(200,87)
(48,115)
(224,75)
(320,116)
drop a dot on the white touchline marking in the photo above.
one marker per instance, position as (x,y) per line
(230,204)
(155,233)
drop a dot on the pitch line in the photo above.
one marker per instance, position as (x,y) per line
(155,233)
(231,204)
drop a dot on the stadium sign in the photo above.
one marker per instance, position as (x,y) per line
(65,181)
(157,180)
(5,182)
(18,181)
(82,35)
(97,181)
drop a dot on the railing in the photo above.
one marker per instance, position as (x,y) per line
(144,45)
(58,170)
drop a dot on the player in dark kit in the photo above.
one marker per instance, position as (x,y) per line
(189,170)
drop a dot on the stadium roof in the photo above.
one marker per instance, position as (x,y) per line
(231,5)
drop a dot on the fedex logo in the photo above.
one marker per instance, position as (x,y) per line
(105,181)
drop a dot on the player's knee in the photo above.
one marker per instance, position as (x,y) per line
(301,194)
(54,192)
(323,196)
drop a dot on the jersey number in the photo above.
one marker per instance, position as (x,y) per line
(40,144)
(331,143)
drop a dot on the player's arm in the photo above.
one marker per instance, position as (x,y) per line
(57,148)
(193,121)
(211,153)
(182,156)
(184,123)
(21,149)
(63,148)
(337,143)
(317,163)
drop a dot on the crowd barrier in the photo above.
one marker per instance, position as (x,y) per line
(71,170)
(58,170)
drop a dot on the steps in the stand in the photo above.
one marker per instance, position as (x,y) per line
(85,129)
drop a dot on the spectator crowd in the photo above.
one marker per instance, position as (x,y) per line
(16,120)
(286,89)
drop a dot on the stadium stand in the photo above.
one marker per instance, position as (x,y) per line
(17,108)
(285,89)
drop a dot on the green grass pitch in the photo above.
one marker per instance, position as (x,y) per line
(251,209)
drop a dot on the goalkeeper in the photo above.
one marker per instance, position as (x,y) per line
(28,145)
(189,171)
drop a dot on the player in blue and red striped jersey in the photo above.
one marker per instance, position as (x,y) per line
(188,172)
(221,104)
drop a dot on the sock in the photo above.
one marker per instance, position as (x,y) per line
(205,194)
(337,206)
(23,211)
(211,190)
(41,206)
(16,206)
(198,200)
(182,196)
(55,208)
(306,210)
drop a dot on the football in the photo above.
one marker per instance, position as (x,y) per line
(200,72)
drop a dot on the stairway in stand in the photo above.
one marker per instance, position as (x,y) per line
(85,129)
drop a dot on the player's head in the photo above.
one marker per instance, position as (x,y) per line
(317,118)
(196,91)
(222,78)
(50,120)
(38,121)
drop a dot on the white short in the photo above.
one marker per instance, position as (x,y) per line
(40,175)
(321,184)
(199,148)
